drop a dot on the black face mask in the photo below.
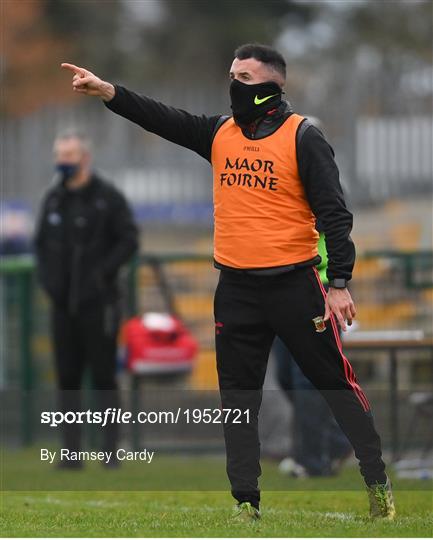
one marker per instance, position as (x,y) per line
(66,170)
(250,101)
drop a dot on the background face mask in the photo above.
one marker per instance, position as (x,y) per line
(250,101)
(67,170)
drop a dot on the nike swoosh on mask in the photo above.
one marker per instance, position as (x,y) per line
(259,101)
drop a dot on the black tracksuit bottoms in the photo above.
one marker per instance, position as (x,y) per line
(250,311)
(87,340)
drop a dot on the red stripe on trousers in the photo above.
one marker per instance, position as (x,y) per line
(348,370)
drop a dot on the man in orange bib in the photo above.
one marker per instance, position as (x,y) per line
(274,175)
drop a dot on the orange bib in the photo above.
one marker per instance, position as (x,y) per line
(261,214)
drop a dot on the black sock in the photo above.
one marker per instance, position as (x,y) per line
(382,479)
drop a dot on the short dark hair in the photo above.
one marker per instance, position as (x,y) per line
(262,53)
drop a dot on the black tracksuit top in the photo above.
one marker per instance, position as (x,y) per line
(317,168)
(82,239)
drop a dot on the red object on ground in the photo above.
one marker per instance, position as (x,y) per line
(158,344)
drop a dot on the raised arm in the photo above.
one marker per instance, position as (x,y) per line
(176,125)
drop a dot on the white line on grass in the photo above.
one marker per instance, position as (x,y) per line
(64,502)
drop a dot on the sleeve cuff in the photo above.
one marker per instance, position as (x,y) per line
(112,103)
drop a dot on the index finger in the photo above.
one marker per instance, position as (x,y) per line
(73,68)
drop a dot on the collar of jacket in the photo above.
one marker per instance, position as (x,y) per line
(268,123)
(84,191)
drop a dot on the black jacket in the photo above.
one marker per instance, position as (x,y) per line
(316,164)
(83,238)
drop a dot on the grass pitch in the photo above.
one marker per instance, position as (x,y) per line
(308,508)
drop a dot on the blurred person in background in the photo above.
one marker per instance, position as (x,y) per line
(85,233)
(274,174)
(319,446)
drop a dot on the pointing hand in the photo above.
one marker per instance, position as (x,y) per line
(86,82)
